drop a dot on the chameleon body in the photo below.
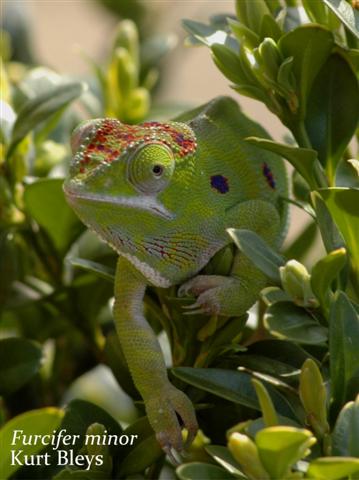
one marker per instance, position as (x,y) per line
(162,195)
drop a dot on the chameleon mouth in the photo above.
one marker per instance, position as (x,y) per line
(146,203)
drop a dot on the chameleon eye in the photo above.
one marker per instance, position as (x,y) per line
(157,170)
(151,167)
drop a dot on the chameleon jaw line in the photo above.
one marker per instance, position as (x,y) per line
(144,203)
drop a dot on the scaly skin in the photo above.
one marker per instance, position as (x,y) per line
(162,195)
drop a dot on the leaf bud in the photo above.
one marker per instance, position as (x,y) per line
(296,282)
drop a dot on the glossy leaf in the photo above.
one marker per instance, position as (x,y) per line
(345,438)
(268,411)
(251,13)
(313,395)
(307,61)
(302,159)
(316,11)
(280,447)
(244,34)
(343,349)
(80,414)
(259,252)
(98,269)
(269,28)
(274,294)
(325,271)
(343,206)
(228,63)
(286,320)
(333,468)
(20,360)
(38,109)
(333,111)
(346,13)
(45,202)
(245,451)
(329,232)
(224,457)
(234,386)
(142,455)
(208,34)
(35,422)
(199,471)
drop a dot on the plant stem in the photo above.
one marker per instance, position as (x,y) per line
(301,135)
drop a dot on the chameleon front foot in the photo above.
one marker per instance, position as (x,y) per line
(163,410)
(211,292)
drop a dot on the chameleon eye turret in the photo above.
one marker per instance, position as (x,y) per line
(151,167)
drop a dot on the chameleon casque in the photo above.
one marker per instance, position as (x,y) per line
(162,195)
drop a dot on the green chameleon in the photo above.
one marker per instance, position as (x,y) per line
(162,195)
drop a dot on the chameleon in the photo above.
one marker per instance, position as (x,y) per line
(163,194)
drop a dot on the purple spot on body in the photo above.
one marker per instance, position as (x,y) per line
(220,183)
(268,175)
(101,147)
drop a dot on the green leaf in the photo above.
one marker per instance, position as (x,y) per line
(98,269)
(346,13)
(281,351)
(313,395)
(316,11)
(36,422)
(79,415)
(224,457)
(228,63)
(269,414)
(343,350)
(45,202)
(252,92)
(144,454)
(307,61)
(269,28)
(41,107)
(199,471)
(333,468)
(302,159)
(333,111)
(285,75)
(259,252)
(274,294)
(20,360)
(280,447)
(286,320)
(208,34)
(251,12)
(234,386)
(345,438)
(325,271)
(244,34)
(343,206)
(330,234)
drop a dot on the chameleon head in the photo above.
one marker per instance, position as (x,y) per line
(128,181)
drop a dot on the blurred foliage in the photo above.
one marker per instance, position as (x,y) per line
(275,399)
